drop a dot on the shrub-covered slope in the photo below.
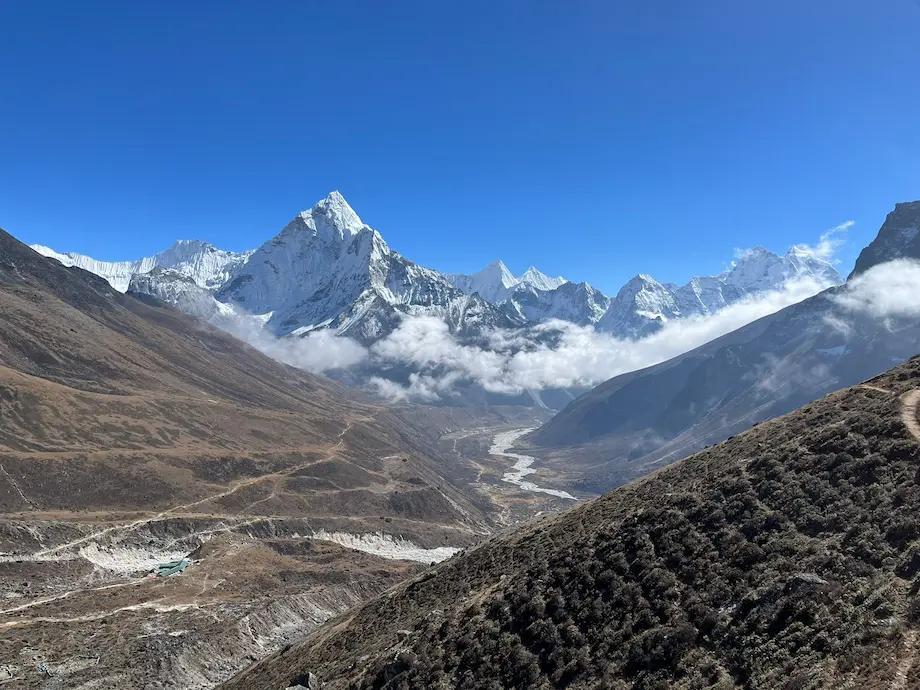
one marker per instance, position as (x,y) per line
(786,557)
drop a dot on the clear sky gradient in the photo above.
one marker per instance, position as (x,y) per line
(593,139)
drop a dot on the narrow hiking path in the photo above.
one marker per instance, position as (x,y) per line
(902,672)
(909,403)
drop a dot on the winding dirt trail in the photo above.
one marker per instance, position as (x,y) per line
(174,510)
(909,403)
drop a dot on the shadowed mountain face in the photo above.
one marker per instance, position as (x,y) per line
(637,421)
(786,557)
(899,237)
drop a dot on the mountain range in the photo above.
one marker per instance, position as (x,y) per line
(327,269)
(132,434)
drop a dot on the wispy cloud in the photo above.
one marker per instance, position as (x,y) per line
(829,242)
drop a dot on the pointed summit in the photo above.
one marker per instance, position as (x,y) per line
(534,277)
(331,219)
(337,213)
(493,283)
(499,272)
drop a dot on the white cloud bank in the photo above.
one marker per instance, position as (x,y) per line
(576,356)
(318,352)
(888,290)
(553,355)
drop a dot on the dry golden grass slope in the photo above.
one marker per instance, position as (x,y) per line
(108,403)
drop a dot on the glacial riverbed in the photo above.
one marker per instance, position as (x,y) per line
(523,464)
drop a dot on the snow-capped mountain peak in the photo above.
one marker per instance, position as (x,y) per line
(496,283)
(326,268)
(758,269)
(538,279)
(493,283)
(331,219)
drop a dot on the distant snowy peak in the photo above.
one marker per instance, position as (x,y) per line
(759,270)
(203,263)
(578,303)
(493,283)
(643,305)
(208,266)
(536,278)
(496,282)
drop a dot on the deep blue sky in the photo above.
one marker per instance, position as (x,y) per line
(594,139)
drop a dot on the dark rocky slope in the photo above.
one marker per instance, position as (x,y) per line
(786,557)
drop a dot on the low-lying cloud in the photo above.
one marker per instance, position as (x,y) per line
(888,290)
(558,354)
(574,356)
(319,352)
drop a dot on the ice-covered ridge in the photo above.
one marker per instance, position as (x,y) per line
(387,546)
(208,266)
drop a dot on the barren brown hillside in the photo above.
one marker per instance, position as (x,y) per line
(132,434)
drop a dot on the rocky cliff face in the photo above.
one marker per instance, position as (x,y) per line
(899,237)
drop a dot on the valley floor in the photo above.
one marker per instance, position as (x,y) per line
(78,608)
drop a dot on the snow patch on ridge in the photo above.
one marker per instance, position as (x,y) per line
(126,559)
(387,546)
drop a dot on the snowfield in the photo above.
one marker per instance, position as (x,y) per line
(387,546)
